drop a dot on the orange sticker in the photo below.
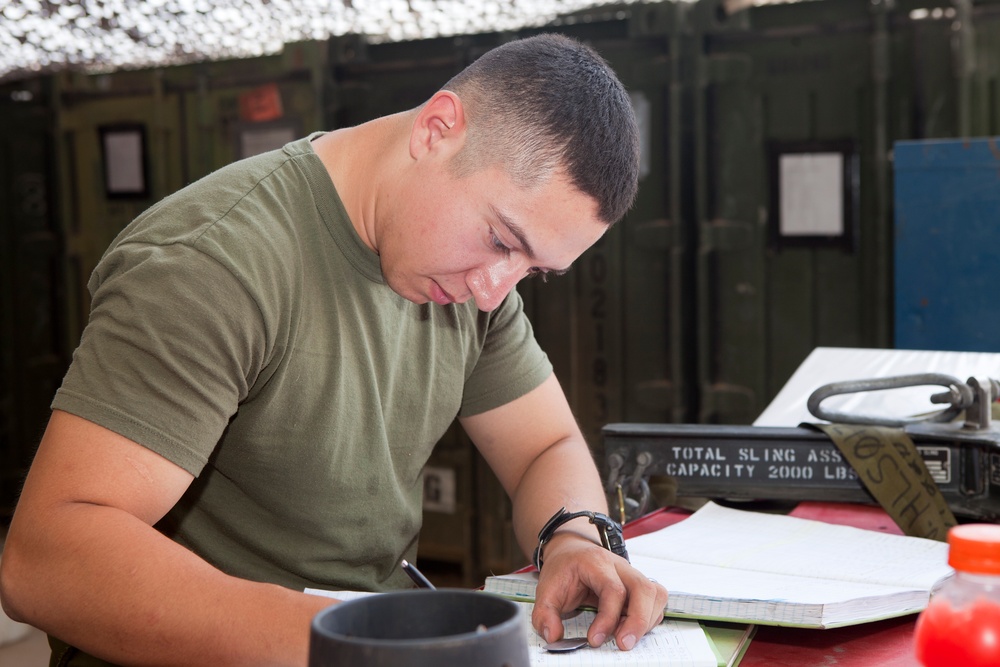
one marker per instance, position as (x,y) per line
(261,104)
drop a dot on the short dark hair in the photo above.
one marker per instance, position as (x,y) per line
(547,103)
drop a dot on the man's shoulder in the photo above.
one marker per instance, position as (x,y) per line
(248,200)
(274,175)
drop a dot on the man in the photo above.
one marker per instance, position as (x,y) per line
(273,352)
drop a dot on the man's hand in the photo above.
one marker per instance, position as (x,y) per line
(579,572)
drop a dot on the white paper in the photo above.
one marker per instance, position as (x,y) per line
(673,643)
(761,542)
(123,156)
(838,364)
(343,596)
(812,194)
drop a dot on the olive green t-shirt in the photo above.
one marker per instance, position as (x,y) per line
(241,329)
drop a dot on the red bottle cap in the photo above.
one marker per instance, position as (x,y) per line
(975,548)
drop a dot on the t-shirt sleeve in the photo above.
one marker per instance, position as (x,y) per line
(172,346)
(511,362)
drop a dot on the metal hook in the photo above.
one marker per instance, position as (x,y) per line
(960,395)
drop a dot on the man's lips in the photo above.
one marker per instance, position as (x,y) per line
(439,296)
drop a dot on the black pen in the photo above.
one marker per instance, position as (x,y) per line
(418,578)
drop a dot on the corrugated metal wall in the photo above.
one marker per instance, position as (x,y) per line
(825,75)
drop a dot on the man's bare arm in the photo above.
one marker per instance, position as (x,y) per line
(83,563)
(540,456)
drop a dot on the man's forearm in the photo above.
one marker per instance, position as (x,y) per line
(564,475)
(112,586)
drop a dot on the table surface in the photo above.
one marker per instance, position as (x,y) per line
(884,643)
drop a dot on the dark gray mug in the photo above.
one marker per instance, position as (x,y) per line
(420,628)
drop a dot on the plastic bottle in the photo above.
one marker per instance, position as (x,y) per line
(961,625)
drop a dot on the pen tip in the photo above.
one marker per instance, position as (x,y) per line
(404,563)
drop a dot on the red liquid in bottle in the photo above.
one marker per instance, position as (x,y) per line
(969,636)
(961,625)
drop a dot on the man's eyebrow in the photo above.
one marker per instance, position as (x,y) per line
(522,238)
(516,230)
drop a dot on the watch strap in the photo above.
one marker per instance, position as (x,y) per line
(609,530)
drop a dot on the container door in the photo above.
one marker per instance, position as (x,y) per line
(32,355)
(792,237)
(120,145)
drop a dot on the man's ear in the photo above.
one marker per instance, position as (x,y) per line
(439,125)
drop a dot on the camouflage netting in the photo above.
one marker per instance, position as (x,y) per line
(101,35)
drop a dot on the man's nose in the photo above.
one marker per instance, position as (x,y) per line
(491,284)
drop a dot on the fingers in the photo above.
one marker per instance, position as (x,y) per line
(629,604)
(547,622)
(549,613)
(557,597)
(611,601)
(628,611)
(644,611)
(659,606)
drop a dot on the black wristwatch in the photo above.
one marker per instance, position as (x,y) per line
(610,530)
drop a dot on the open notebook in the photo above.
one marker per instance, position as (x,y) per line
(749,567)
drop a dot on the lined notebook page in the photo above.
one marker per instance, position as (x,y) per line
(728,538)
(673,643)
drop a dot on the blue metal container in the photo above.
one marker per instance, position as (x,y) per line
(947,245)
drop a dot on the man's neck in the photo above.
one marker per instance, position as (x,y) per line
(361,162)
